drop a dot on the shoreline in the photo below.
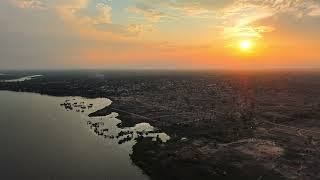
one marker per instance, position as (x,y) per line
(156,158)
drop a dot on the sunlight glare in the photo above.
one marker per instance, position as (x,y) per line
(245,44)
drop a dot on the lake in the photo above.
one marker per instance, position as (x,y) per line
(43,138)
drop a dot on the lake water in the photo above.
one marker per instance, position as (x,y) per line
(26,78)
(44,137)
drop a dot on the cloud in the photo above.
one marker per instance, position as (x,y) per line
(253,32)
(32,4)
(314,10)
(131,30)
(140,28)
(104,14)
(193,8)
(235,16)
(92,18)
(150,13)
(238,18)
(204,26)
(98,24)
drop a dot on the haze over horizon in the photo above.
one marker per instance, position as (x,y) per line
(159,34)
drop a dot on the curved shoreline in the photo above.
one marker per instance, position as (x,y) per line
(136,128)
(162,161)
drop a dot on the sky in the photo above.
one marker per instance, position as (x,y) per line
(159,34)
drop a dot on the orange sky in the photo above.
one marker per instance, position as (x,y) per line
(159,34)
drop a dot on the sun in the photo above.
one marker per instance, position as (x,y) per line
(245,45)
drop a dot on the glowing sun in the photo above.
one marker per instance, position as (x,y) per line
(245,45)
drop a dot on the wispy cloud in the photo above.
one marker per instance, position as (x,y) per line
(239,17)
(150,13)
(104,14)
(34,4)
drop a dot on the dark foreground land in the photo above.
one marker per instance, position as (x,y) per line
(223,125)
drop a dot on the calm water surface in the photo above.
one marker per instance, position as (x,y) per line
(40,139)
(26,78)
